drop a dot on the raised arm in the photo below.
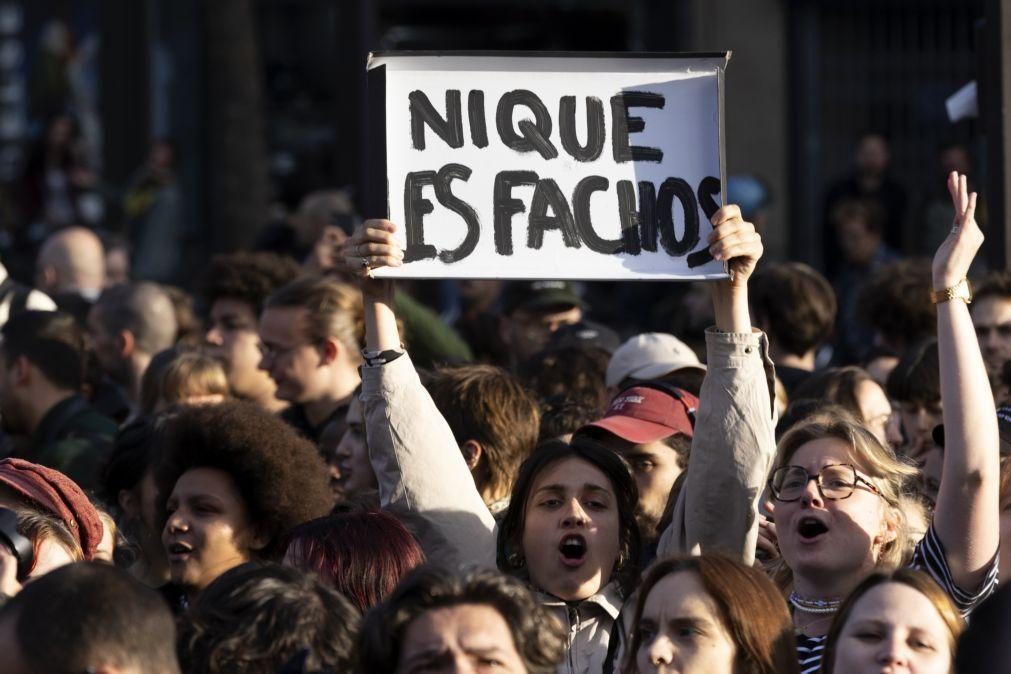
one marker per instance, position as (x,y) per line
(734,439)
(967,512)
(418,464)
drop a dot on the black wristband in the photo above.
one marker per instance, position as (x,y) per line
(375,358)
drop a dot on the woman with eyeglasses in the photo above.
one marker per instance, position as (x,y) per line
(837,492)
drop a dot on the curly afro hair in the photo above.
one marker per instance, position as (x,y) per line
(281,477)
(247,277)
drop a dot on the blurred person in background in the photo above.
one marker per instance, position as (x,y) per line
(41,374)
(153,210)
(70,268)
(795,306)
(870,180)
(234,291)
(128,325)
(531,312)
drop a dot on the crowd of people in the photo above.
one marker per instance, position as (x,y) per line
(305,468)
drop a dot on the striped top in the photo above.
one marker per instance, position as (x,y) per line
(929,557)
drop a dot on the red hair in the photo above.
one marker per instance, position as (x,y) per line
(362,554)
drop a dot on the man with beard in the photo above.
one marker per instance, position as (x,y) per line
(41,371)
(235,288)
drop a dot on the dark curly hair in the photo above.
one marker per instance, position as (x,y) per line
(279,474)
(247,277)
(796,302)
(626,492)
(538,637)
(262,619)
(896,303)
(917,377)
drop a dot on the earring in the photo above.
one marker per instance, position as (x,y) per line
(516,560)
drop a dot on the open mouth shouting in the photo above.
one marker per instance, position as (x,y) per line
(572,550)
(811,529)
(179,551)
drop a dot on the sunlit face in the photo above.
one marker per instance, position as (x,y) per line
(894,628)
(461,639)
(356,474)
(655,467)
(681,630)
(526,333)
(233,339)
(51,556)
(208,530)
(571,534)
(289,356)
(991,316)
(876,412)
(842,536)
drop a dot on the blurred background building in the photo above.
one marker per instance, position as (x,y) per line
(195,124)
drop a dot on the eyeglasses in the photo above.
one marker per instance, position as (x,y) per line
(270,351)
(835,482)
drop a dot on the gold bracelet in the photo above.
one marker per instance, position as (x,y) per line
(959,291)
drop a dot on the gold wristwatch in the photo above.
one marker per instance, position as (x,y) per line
(959,291)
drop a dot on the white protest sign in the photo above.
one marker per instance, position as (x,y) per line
(599,166)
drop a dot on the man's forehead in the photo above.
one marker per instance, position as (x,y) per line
(283,321)
(234,307)
(991,309)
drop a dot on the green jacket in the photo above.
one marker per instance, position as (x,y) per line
(74,439)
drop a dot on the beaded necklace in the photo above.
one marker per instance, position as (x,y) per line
(814,605)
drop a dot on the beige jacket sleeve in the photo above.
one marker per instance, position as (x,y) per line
(421,473)
(732,452)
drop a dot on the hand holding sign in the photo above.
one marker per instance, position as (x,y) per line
(552,166)
(735,241)
(373,245)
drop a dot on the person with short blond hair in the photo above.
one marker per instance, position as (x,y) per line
(193,379)
(311,334)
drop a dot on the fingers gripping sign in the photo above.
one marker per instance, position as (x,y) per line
(370,247)
(735,241)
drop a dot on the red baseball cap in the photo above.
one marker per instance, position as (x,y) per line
(645,414)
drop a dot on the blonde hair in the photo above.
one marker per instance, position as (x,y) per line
(190,376)
(893,478)
(334,310)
